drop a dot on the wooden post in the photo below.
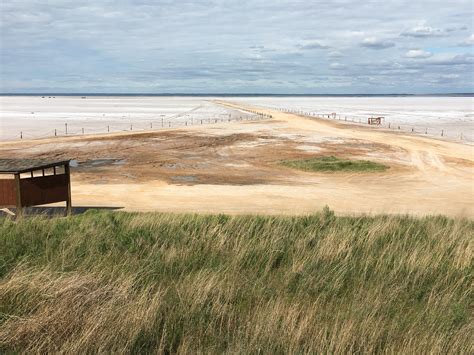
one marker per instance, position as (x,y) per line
(68,201)
(19,207)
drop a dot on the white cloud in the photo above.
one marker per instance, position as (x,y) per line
(313,44)
(337,66)
(335,54)
(418,53)
(375,43)
(423,31)
(468,41)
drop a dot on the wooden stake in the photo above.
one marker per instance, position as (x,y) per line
(19,207)
(68,200)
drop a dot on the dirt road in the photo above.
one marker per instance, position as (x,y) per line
(234,168)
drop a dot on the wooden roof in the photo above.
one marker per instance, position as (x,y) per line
(16,166)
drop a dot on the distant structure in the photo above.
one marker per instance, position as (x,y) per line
(51,184)
(375,120)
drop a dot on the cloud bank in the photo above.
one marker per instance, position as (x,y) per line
(202,46)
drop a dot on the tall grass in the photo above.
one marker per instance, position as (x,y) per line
(130,282)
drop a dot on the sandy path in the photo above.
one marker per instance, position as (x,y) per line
(428,176)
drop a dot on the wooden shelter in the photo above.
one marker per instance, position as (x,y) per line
(375,120)
(32,182)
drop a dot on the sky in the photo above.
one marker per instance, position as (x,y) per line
(237,46)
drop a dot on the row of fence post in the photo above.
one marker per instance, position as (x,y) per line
(256,115)
(333,116)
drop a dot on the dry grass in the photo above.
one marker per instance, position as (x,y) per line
(121,282)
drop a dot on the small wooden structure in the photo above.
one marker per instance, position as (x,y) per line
(375,120)
(34,182)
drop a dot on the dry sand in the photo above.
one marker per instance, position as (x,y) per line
(234,168)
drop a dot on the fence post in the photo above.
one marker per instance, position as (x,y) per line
(55,133)
(108,128)
(66,128)
(442,132)
(21,135)
(83,131)
(131,127)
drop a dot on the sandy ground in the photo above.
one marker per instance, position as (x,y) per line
(234,168)
(454,115)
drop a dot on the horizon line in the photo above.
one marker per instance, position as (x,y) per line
(223,94)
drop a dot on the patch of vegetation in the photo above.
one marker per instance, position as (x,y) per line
(152,282)
(334,164)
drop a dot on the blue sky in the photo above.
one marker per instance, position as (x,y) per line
(163,46)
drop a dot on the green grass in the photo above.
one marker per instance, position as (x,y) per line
(141,283)
(334,164)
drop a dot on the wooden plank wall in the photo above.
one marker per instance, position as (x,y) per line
(7,193)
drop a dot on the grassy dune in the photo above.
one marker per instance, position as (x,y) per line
(185,283)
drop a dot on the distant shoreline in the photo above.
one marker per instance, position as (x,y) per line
(234,95)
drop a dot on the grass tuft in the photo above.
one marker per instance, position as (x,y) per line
(152,282)
(334,164)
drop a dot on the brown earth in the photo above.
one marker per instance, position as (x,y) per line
(234,168)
